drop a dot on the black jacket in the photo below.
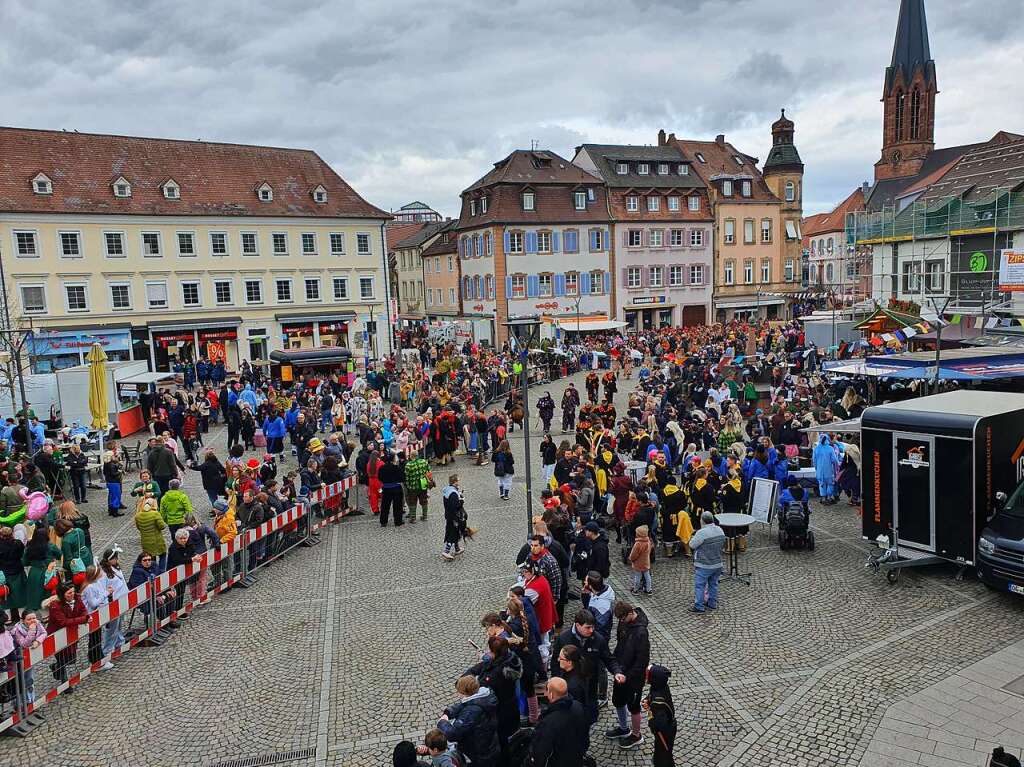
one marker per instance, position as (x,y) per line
(180,555)
(599,559)
(561,736)
(473,724)
(76,463)
(500,676)
(213,474)
(593,649)
(633,648)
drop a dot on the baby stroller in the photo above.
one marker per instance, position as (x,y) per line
(794,527)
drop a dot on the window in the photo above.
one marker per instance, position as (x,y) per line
(830,273)
(218,243)
(472,207)
(266,193)
(790,275)
(745,189)
(622,168)
(643,168)
(694,203)
(150,243)
(77,300)
(312,288)
(675,238)
(515,242)
(518,286)
(529,201)
(673,203)
(727,188)
(120,296)
(25,243)
(657,237)
(790,191)
(172,191)
(700,158)
(186,244)
(543,242)
(451,292)
(253,292)
(934,275)
(122,188)
(683,169)
(320,194)
(308,244)
(340,288)
(738,159)
(113,242)
(633,278)
(596,282)
(483,206)
(156,295)
(283,287)
(190,294)
(831,244)
(748,231)
(851,272)
(222,292)
(41,184)
(915,113)
(279,243)
(634,238)
(363,244)
(697,274)
(792,233)
(748,272)
(653,203)
(597,240)
(70,244)
(337,243)
(729,231)
(766,270)
(572,283)
(730,272)
(696,237)
(365,287)
(250,245)
(33,299)
(430,297)
(451,264)
(654,277)
(766,230)
(580,200)
(487,246)
(467,287)
(663,169)
(545,285)
(632,203)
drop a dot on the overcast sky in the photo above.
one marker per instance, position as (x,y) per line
(416,100)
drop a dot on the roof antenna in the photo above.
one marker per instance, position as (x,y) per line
(534,143)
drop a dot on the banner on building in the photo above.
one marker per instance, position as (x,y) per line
(1011,271)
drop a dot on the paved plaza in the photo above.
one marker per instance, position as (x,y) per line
(345,648)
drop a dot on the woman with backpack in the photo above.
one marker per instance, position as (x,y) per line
(504,468)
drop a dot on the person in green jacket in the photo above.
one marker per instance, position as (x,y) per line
(151,528)
(145,486)
(175,506)
(72,545)
(39,553)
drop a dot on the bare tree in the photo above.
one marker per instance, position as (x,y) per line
(15,333)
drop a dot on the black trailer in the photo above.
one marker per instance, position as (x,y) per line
(931,469)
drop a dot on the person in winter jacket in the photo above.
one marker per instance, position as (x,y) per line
(274,429)
(546,410)
(826,469)
(562,734)
(455,519)
(472,723)
(498,670)
(214,476)
(113,473)
(599,559)
(593,647)
(175,506)
(538,591)
(504,468)
(640,561)
(633,654)
(66,610)
(661,715)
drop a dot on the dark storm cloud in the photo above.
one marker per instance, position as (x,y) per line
(416,100)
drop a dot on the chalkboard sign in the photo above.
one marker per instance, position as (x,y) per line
(764,496)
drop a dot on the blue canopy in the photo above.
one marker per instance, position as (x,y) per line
(928,374)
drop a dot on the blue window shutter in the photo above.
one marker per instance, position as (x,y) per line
(554,242)
(479,244)
(607,282)
(607,239)
(593,239)
(532,286)
(559,284)
(585,283)
(571,242)
(531,242)
(508,246)
(508,282)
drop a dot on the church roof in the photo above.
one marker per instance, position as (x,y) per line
(911,49)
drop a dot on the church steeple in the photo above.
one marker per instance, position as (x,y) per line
(908,132)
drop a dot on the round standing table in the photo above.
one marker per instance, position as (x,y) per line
(732,525)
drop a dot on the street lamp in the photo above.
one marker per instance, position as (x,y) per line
(522,332)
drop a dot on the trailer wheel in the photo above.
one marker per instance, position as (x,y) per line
(893,576)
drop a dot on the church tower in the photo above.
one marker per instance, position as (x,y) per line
(908,130)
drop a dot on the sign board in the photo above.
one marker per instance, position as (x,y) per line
(1011,271)
(764,496)
(649,300)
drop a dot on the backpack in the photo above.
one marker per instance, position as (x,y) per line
(519,747)
(499,464)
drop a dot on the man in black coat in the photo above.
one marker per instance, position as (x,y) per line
(593,648)
(599,559)
(633,655)
(562,735)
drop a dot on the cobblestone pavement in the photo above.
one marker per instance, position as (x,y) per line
(341,650)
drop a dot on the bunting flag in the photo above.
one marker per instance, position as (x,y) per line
(887,337)
(993,322)
(979,322)
(900,336)
(909,332)
(956,319)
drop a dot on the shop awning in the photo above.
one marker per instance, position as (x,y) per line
(748,303)
(587,326)
(160,326)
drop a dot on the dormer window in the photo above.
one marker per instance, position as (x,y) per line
(529,201)
(41,184)
(738,159)
(700,158)
(171,190)
(121,187)
(472,207)
(623,168)
(684,169)
(483,206)
(745,188)
(265,192)
(580,200)
(320,194)
(643,168)
(727,188)
(444,238)
(663,169)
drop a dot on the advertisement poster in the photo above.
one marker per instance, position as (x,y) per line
(1011,271)
(215,352)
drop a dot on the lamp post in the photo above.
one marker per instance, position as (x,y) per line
(523,331)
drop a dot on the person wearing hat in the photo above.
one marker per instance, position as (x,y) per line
(314,450)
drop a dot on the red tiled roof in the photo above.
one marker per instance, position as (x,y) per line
(399,232)
(834,220)
(720,158)
(215,179)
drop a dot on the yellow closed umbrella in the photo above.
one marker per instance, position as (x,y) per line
(98,391)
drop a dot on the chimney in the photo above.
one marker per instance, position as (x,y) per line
(865,189)
(661,137)
(720,139)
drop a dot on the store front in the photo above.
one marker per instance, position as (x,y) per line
(190,342)
(51,350)
(333,334)
(649,313)
(752,308)
(314,329)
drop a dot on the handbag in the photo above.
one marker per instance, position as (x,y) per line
(77,571)
(51,579)
(5,590)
